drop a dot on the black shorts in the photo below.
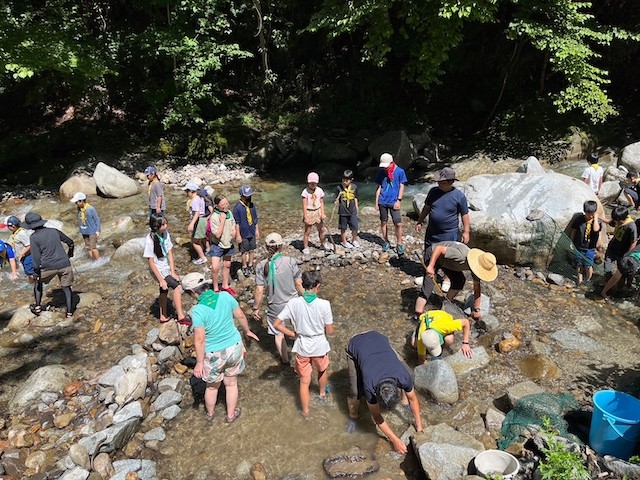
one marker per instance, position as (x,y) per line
(386,211)
(171,282)
(248,244)
(349,222)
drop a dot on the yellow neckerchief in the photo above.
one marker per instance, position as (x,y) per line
(348,194)
(587,230)
(151,185)
(595,166)
(248,209)
(618,232)
(314,198)
(13,236)
(83,213)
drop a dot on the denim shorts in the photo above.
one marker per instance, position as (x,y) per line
(218,251)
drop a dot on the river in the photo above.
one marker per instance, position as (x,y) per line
(271,430)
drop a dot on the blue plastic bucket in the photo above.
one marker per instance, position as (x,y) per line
(615,424)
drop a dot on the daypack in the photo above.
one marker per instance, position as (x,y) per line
(209,233)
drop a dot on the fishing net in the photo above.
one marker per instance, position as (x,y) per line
(565,258)
(527,416)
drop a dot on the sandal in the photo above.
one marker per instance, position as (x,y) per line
(186,320)
(69,314)
(164,319)
(236,414)
(36,310)
(207,417)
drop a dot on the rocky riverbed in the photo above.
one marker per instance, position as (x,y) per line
(534,330)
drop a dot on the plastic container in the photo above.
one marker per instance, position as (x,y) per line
(615,424)
(492,462)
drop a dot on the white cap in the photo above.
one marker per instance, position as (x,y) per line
(431,340)
(191,186)
(274,239)
(77,197)
(385,160)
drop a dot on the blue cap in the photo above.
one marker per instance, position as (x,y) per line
(191,186)
(149,170)
(245,191)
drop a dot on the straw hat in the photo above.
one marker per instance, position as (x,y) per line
(483,264)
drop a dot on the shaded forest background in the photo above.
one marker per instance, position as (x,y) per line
(201,77)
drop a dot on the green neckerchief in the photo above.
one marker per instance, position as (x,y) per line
(209,299)
(161,238)
(309,296)
(272,269)
(227,214)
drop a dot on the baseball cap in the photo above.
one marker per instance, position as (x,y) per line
(313,177)
(246,191)
(192,280)
(11,221)
(191,186)
(77,197)
(385,160)
(447,173)
(431,340)
(273,239)
(149,170)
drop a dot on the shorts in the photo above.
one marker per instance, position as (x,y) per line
(200,229)
(90,241)
(386,210)
(305,365)
(64,274)
(609,262)
(247,244)
(172,282)
(225,363)
(314,216)
(633,194)
(27,264)
(272,313)
(585,258)
(218,251)
(349,221)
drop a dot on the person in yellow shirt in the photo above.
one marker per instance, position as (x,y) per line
(437,328)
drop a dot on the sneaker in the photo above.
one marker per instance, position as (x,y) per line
(446,285)
(306,251)
(355,243)
(400,249)
(346,245)
(245,271)
(386,246)
(328,246)
(199,261)
(252,271)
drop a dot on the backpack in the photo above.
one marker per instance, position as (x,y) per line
(209,233)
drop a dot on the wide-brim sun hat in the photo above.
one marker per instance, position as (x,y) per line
(274,239)
(431,340)
(33,220)
(192,280)
(483,264)
(386,159)
(77,197)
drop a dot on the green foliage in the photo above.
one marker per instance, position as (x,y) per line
(558,462)
(635,459)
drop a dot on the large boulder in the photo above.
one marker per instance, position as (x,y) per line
(77,183)
(396,143)
(520,217)
(113,183)
(50,378)
(330,152)
(131,249)
(630,157)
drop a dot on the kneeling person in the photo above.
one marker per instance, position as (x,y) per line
(437,328)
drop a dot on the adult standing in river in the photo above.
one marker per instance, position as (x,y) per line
(88,224)
(49,260)
(155,192)
(377,373)
(391,180)
(219,348)
(443,206)
(280,278)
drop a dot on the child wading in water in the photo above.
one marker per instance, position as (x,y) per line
(347,201)
(313,212)
(246,217)
(158,249)
(222,231)
(585,232)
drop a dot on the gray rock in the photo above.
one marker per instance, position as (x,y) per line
(146,469)
(171,412)
(353,463)
(128,251)
(79,455)
(131,410)
(80,182)
(77,473)
(438,379)
(555,279)
(131,386)
(111,376)
(20,319)
(398,144)
(540,348)
(137,349)
(488,322)
(113,183)
(572,340)
(131,362)
(462,364)
(609,191)
(152,336)
(157,433)
(630,157)
(93,442)
(102,465)
(50,378)
(522,389)
(168,353)
(167,399)
(170,383)
(170,333)
(530,165)
(119,434)
(493,420)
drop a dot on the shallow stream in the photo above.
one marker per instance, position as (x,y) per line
(271,430)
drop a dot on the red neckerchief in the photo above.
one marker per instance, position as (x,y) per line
(390,169)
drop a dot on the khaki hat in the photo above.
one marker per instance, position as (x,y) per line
(483,264)
(274,239)
(431,340)
(192,280)
(447,173)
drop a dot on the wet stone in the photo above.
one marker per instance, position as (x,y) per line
(167,399)
(354,463)
(157,434)
(132,410)
(573,340)
(170,413)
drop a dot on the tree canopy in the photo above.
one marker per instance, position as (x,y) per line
(209,70)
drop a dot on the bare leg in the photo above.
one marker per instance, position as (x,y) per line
(613,281)
(231,388)
(353,404)
(323,380)
(304,395)
(177,301)
(198,248)
(162,302)
(211,397)
(281,347)
(215,267)
(421,302)
(226,271)
(383,230)
(94,254)
(305,237)
(251,258)
(399,233)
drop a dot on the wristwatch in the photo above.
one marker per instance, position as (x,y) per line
(399,199)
